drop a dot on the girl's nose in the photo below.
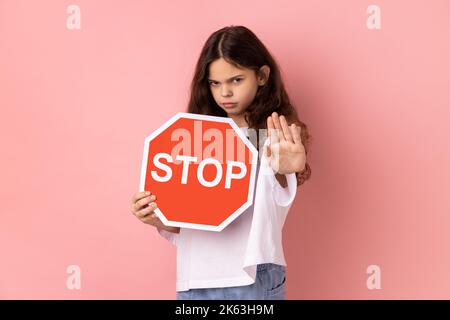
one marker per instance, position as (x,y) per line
(226,92)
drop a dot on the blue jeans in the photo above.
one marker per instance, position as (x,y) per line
(269,284)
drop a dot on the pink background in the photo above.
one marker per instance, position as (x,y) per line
(77,104)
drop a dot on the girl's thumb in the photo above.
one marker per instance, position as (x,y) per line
(267,152)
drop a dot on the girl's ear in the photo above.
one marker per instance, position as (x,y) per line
(263,75)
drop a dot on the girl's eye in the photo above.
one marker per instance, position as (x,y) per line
(213,83)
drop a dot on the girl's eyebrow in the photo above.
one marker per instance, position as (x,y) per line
(239,75)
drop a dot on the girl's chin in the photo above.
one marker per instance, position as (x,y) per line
(232,110)
(231,113)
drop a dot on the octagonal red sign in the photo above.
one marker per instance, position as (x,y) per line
(202,170)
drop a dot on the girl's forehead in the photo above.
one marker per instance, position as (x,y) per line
(221,68)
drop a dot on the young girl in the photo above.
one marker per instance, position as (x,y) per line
(237,77)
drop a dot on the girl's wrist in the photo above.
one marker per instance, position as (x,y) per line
(169,229)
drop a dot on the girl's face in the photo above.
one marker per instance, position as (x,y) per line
(230,84)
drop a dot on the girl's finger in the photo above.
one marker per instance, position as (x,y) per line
(147,210)
(270,128)
(142,213)
(269,123)
(273,134)
(268,152)
(286,130)
(144,201)
(296,130)
(279,130)
(140,195)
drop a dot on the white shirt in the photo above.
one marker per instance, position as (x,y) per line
(210,259)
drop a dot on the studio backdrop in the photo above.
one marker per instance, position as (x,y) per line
(82,83)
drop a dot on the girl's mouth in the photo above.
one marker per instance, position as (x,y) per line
(229,105)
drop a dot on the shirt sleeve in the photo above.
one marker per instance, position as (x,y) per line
(169,236)
(285,196)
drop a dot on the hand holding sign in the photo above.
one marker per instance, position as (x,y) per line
(143,207)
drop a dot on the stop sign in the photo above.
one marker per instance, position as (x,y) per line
(202,170)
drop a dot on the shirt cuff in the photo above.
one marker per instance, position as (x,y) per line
(285,196)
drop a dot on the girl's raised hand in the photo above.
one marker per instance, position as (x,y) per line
(285,152)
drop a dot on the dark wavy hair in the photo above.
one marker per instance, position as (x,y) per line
(239,46)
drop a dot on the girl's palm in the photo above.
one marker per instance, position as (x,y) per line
(285,152)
